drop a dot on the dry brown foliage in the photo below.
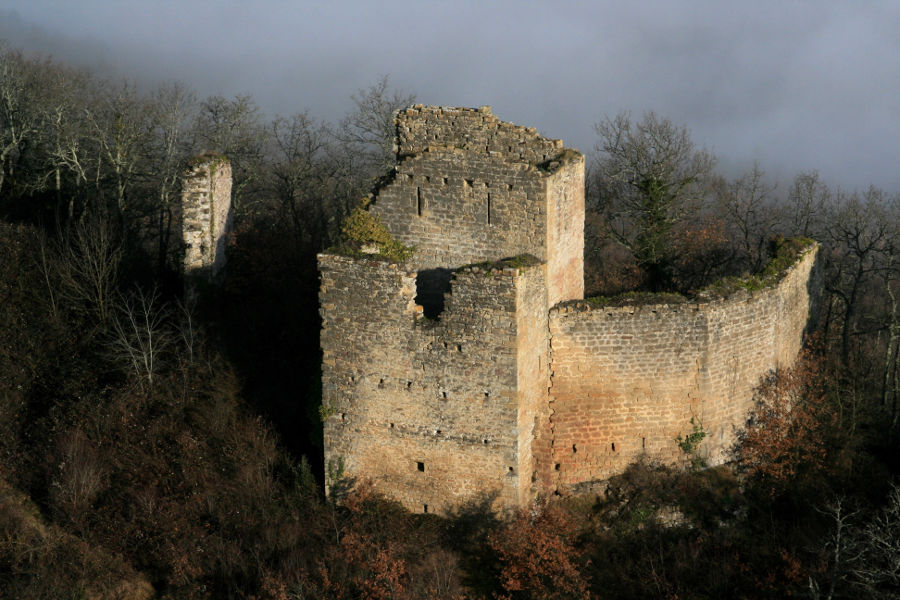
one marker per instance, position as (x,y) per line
(539,555)
(787,442)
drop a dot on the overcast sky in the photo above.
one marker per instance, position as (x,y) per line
(795,85)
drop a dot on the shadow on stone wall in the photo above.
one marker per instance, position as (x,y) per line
(431,285)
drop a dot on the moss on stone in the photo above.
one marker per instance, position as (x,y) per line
(206,157)
(786,252)
(364,235)
(522,261)
(552,164)
(635,298)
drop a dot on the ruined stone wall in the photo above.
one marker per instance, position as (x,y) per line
(532,368)
(470,188)
(428,410)
(565,231)
(626,381)
(206,214)
(499,393)
(474,130)
(458,209)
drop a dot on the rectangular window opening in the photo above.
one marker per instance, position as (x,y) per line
(425,508)
(420,466)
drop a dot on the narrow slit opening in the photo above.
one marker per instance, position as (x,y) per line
(419,201)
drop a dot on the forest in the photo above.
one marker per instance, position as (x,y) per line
(159,446)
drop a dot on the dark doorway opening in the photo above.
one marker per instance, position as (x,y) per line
(431,285)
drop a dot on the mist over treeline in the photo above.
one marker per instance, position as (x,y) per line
(158,445)
(793,87)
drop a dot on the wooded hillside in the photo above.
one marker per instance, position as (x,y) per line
(155,447)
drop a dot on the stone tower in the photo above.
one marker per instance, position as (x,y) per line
(435,371)
(206,214)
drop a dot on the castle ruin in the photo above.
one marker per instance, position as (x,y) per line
(477,368)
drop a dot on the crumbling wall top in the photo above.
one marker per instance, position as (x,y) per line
(420,128)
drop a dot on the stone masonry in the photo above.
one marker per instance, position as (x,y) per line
(206,214)
(476,369)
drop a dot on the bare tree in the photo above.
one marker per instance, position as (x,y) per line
(840,549)
(86,264)
(120,126)
(172,109)
(807,202)
(234,128)
(70,151)
(302,175)
(19,112)
(889,366)
(369,129)
(887,267)
(650,176)
(141,335)
(748,209)
(857,229)
(79,478)
(878,570)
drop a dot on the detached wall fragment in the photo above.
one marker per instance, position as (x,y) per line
(206,216)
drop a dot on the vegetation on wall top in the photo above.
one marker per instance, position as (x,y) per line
(554,163)
(785,253)
(522,261)
(363,234)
